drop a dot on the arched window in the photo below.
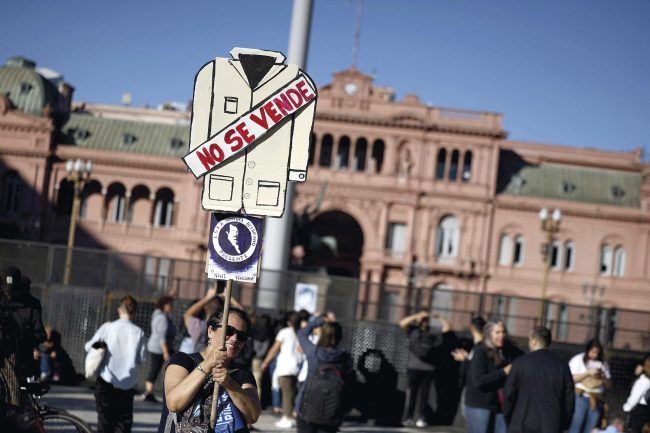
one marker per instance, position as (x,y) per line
(440,163)
(620,258)
(163,208)
(447,237)
(467,167)
(64,198)
(518,251)
(325,159)
(12,193)
(569,256)
(453,165)
(139,206)
(91,200)
(505,246)
(605,260)
(312,149)
(343,153)
(360,152)
(378,154)
(116,203)
(555,255)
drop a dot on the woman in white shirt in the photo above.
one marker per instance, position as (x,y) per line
(290,357)
(591,375)
(637,403)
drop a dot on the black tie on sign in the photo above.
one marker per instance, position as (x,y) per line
(255,67)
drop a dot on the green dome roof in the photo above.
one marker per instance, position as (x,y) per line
(26,88)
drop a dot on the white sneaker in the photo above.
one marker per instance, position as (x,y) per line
(421,423)
(285,423)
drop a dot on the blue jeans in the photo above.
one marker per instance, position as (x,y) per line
(584,418)
(484,420)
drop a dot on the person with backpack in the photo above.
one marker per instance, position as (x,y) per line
(189,383)
(323,398)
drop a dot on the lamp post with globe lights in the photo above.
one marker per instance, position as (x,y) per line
(550,226)
(78,173)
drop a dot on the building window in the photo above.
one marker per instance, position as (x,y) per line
(617,193)
(129,139)
(12,194)
(605,260)
(343,153)
(117,208)
(453,166)
(569,256)
(620,258)
(467,166)
(325,158)
(440,163)
(555,255)
(312,145)
(360,152)
(568,187)
(163,208)
(518,251)
(378,154)
(25,88)
(175,143)
(505,247)
(447,237)
(396,240)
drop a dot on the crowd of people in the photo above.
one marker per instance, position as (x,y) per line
(497,386)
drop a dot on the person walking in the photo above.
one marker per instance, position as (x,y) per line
(290,356)
(424,344)
(538,396)
(489,368)
(160,342)
(329,367)
(637,404)
(591,375)
(125,350)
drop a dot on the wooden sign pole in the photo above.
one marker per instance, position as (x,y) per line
(221,342)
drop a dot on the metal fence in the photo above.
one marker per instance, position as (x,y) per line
(99,279)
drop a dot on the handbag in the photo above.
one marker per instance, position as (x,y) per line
(94,358)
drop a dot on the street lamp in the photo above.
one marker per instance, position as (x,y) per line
(550,226)
(78,173)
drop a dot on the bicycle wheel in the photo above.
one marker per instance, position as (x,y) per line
(64,422)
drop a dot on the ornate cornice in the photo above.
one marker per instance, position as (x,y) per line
(390,123)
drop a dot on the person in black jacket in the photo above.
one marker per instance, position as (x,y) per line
(489,368)
(539,390)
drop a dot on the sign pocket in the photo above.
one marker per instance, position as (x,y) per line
(268,193)
(220,187)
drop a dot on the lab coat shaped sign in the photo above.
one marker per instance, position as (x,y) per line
(252,117)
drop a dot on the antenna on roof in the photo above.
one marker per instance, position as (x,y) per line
(357,34)
(126,99)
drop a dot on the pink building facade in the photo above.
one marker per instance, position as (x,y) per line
(399,193)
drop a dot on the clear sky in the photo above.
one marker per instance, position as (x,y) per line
(571,72)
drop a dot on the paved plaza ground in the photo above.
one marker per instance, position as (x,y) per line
(81,402)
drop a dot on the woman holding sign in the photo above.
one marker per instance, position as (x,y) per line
(189,382)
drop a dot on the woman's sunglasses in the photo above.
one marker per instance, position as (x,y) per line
(242,336)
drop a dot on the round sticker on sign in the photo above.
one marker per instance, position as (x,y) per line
(235,239)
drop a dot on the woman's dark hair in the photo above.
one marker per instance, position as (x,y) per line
(331,334)
(593,344)
(477,323)
(164,300)
(129,304)
(294,321)
(215,320)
